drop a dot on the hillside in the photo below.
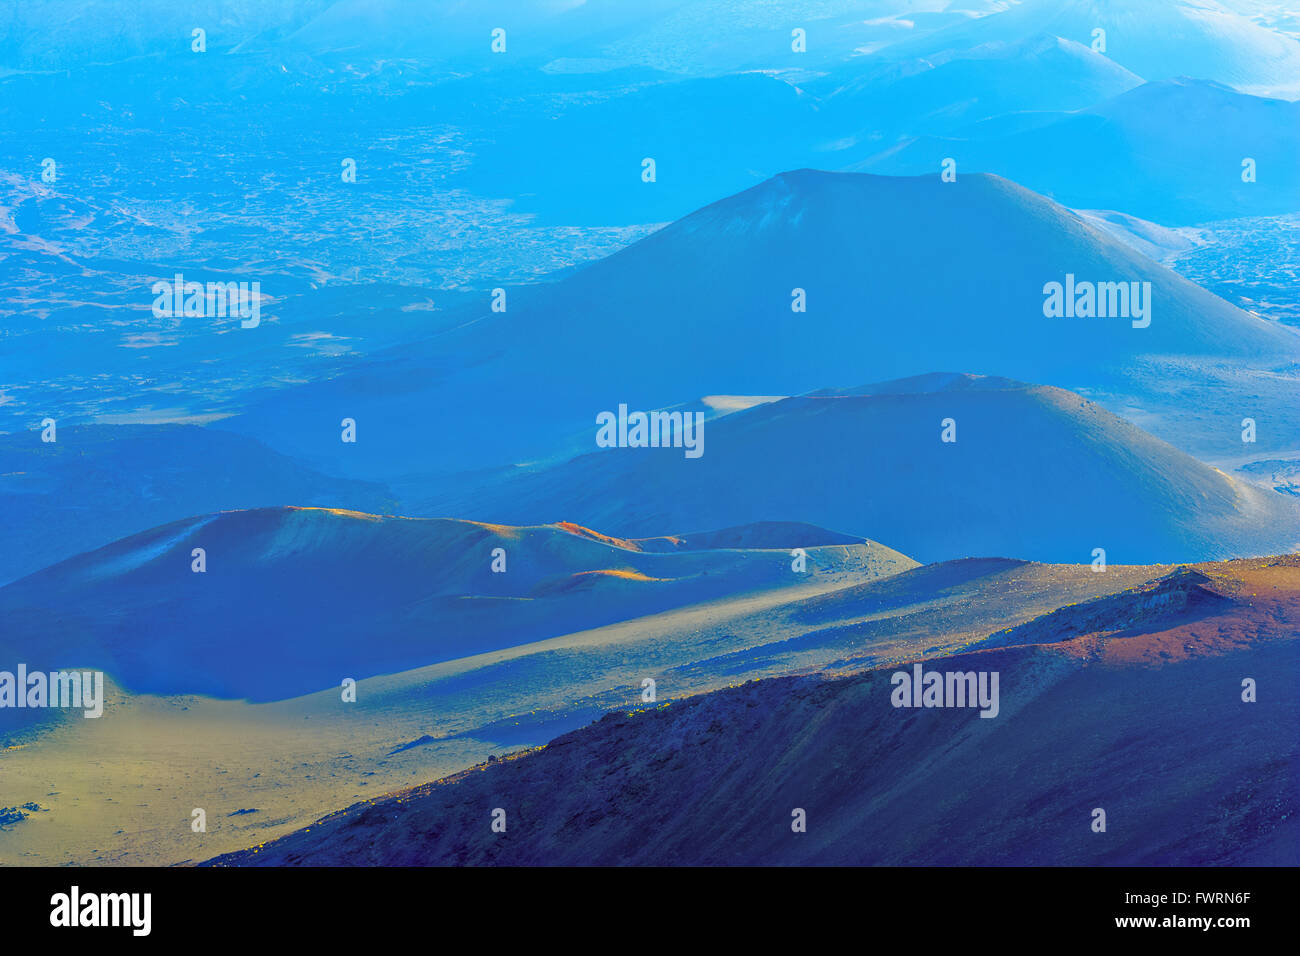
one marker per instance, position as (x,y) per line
(98,483)
(947,91)
(1140,152)
(295,760)
(293,600)
(1148,725)
(1035,472)
(1156,39)
(900,279)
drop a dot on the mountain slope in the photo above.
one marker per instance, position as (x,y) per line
(293,600)
(1035,472)
(945,92)
(1143,153)
(1186,771)
(1156,39)
(98,483)
(298,759)
(900,278)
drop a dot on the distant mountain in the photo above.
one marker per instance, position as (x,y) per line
(39,35)
(950,90)
(295,600)
(457,29)
(675,35)
(1156,39)
(1143,152)
(1143,719)
(98,483)
(1035,472)
(900,277)
(574,34)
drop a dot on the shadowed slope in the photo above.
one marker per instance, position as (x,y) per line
(98,483)
(1035,472)
(899,276)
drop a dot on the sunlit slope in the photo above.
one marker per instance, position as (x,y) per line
(1148,724)
(156,757)
(294,600)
